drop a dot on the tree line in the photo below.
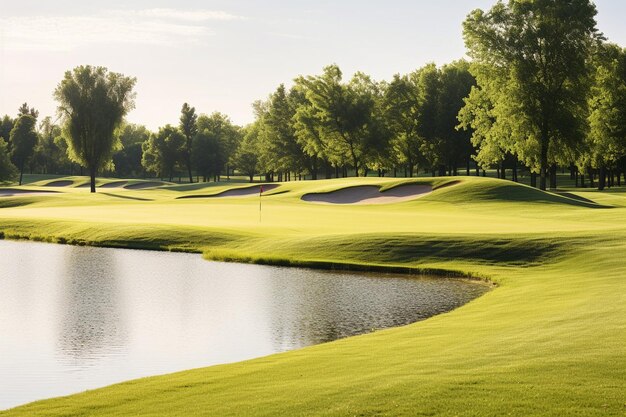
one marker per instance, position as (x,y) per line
(544,90)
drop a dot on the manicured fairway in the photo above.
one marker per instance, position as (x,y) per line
(549,340)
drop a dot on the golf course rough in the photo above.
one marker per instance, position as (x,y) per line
(549,340)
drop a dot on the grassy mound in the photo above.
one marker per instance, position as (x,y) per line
(548,341)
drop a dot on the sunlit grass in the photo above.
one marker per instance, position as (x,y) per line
(549,340)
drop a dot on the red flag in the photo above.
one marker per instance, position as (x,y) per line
(260,190)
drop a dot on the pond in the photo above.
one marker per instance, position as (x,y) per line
(75,318)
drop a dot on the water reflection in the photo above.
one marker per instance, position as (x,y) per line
(74,318)
(91,321)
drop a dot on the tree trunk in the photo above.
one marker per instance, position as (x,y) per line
(533,179)
(189,169)
(251,177)
(543,162)
(92,177)
(590,173)
(602,178)
(553,177)
(21,172)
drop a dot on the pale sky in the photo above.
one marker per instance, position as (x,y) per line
(222,55)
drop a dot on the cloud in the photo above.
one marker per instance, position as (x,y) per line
(188,15)
(165,27)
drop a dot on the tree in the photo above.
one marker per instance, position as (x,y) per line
(344,115)
(8,171)
(164,151)
(246,157)
(214,144)
(6,125)
(48,157)
(454,146)
(607,118)
(401,110)
(281,151)
(93,103)
(538,52)
(24,110)
(189,129)
(207,154)
(127,160)
(23,140)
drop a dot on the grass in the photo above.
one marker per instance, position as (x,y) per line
(549,340)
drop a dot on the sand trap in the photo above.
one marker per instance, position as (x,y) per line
(61,183)
(147,184)
(370,194)
(237,192)
(114,184)
(12,192)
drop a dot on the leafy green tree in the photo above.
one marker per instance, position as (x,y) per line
(23,140)
(127,160)
(428,83)
(454,146)
(281,150)
(48,156)
(24,110)
(189,129)
(8,172)
(607,118)
(208,159)
(164,151)
(6,125)
(93,103)
(246,157)
(308,133)
(538,52)
(401,110)
(215,142)
(343,115)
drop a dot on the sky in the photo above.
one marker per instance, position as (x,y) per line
(222,55)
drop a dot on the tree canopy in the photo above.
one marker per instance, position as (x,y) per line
(93,103)
(534,55)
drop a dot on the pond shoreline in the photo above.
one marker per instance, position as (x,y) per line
(232,257)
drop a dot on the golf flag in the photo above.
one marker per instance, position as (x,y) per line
(260,190)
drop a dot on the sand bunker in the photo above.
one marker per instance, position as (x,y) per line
(114,184)
(370,194)
(12,192)
(61,183)
(237,192)
(147,184)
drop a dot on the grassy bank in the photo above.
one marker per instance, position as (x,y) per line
(548,341)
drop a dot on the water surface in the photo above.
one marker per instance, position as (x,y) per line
(75,318)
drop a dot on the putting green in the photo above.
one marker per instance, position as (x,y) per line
(548,341)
